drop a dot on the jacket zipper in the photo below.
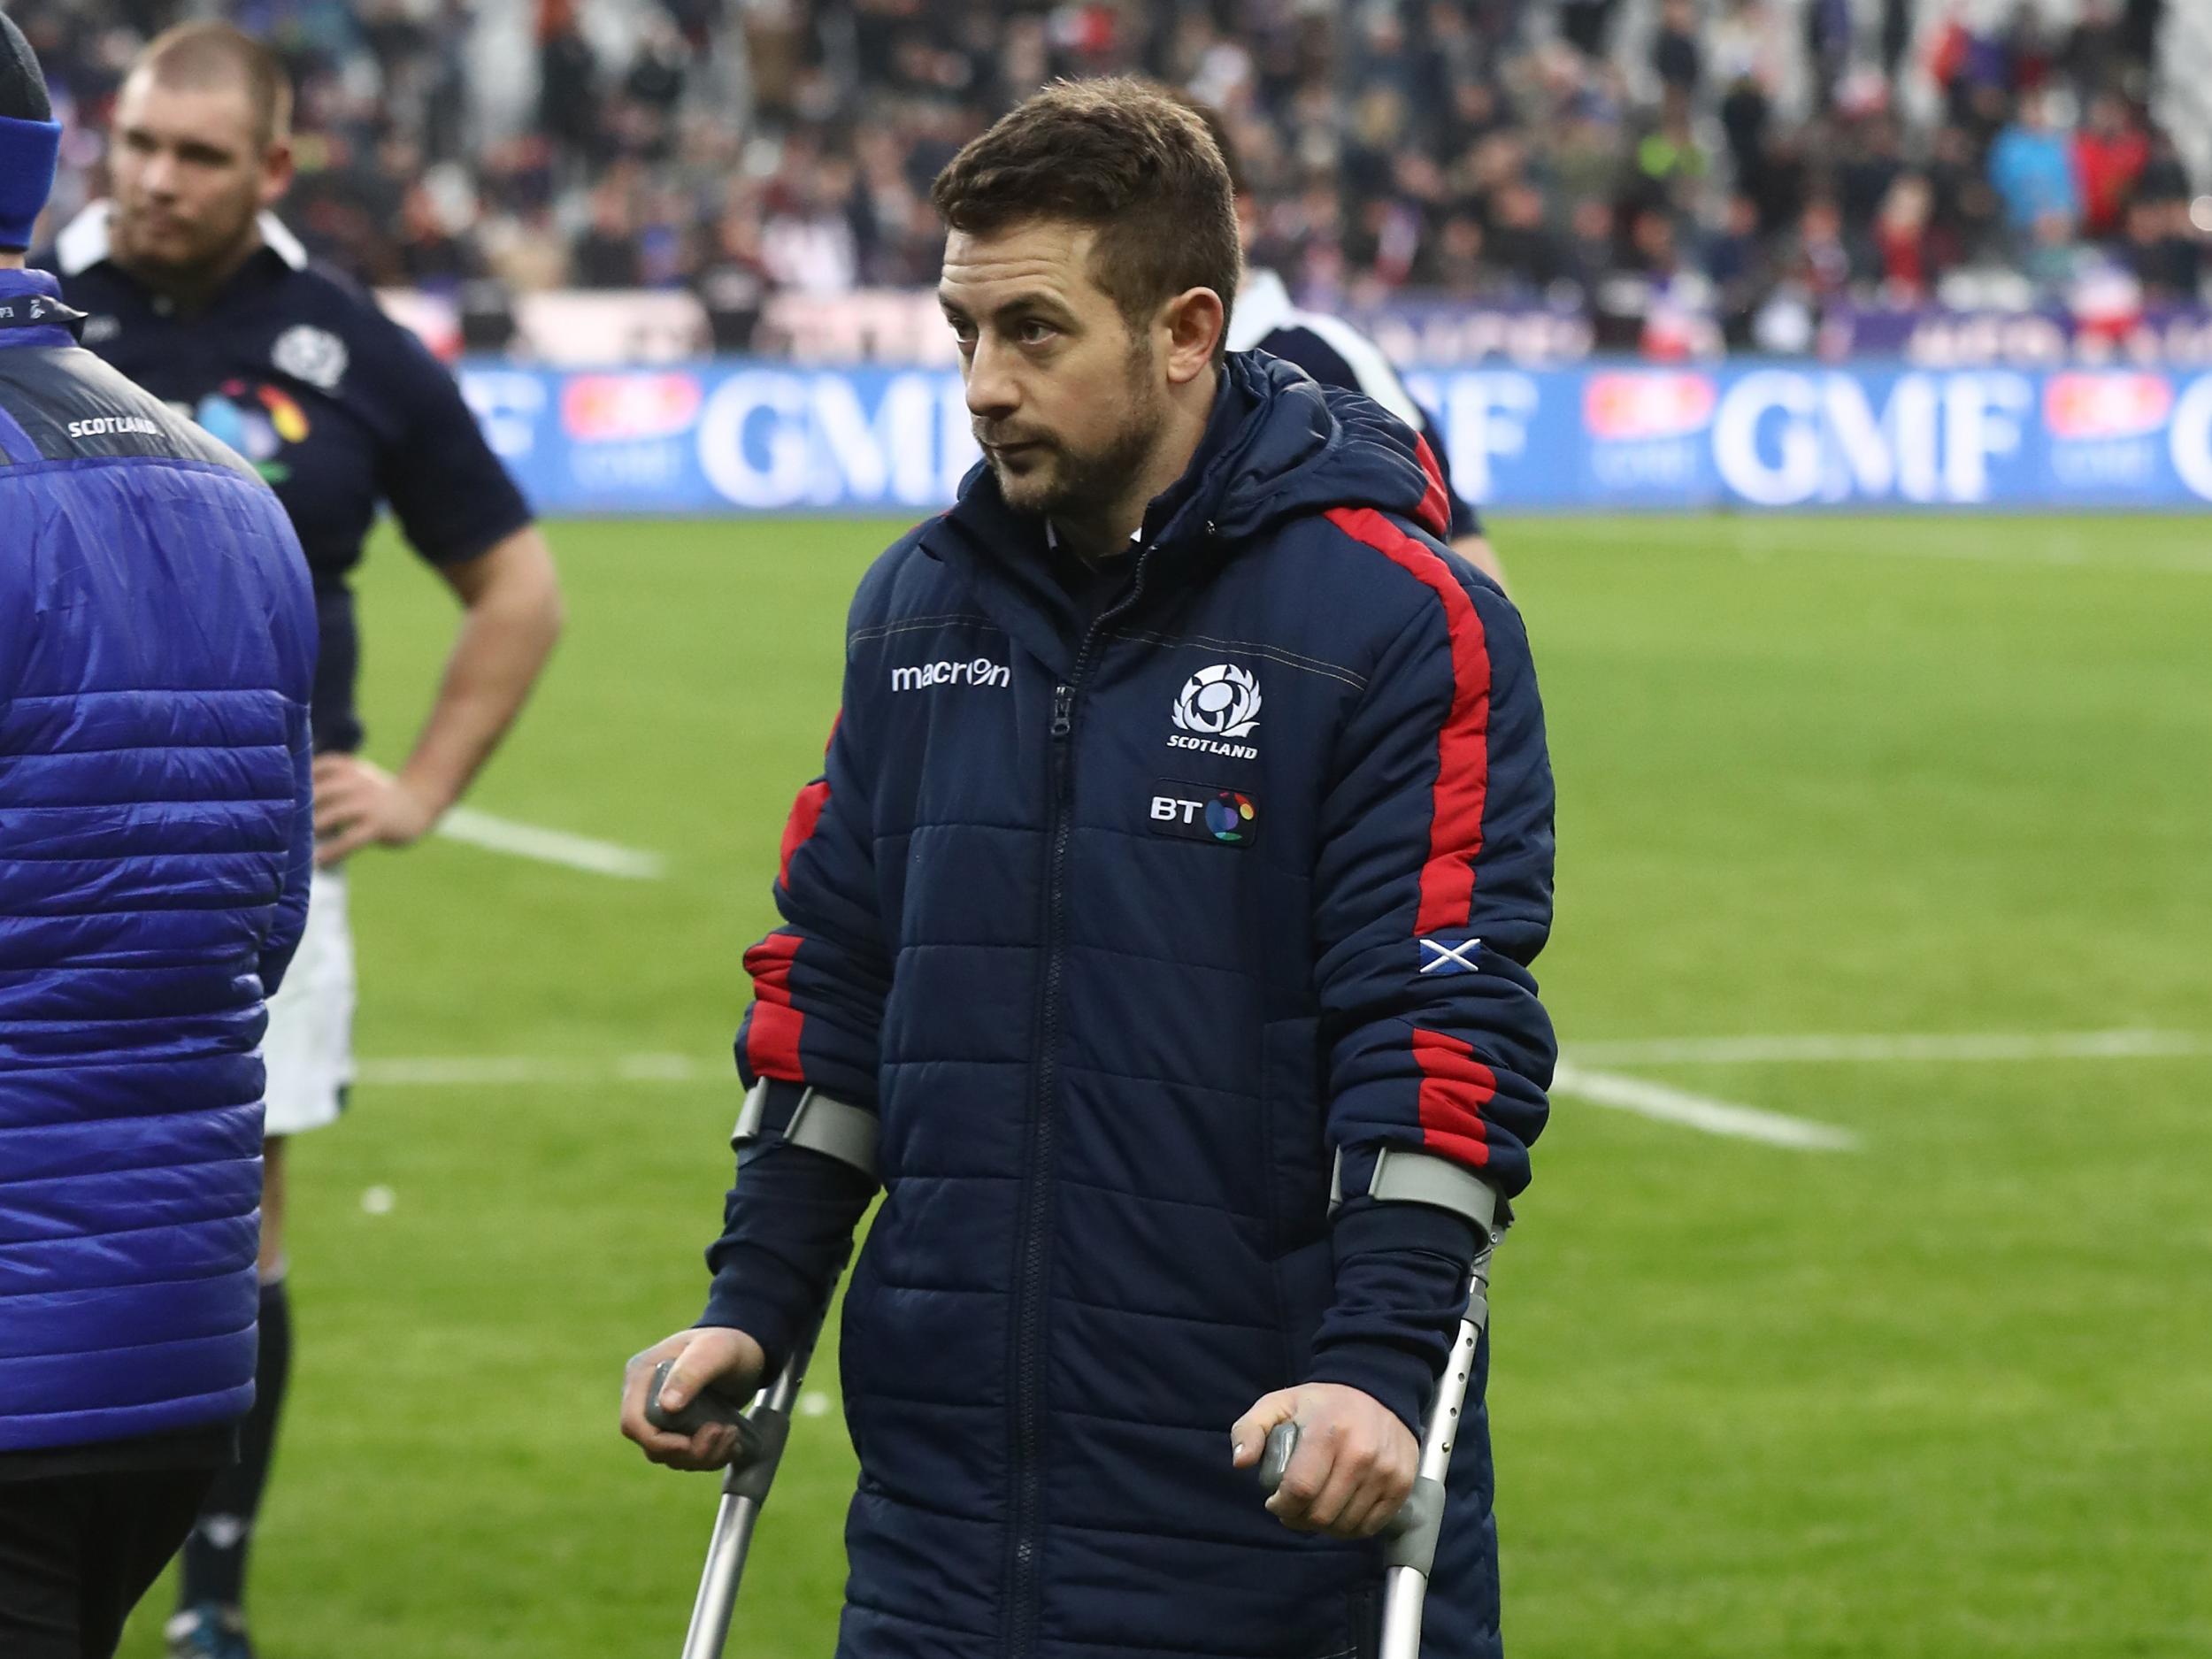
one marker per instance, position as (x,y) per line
(1037,1212)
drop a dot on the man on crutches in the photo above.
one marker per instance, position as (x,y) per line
(1158,938)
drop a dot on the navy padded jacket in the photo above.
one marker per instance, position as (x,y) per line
(156,650)
(1126,923)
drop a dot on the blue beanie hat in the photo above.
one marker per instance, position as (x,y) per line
(30,140)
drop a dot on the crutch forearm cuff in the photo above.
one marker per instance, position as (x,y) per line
(1402,1177)
(775,1110)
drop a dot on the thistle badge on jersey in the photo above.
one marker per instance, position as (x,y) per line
(1216,704)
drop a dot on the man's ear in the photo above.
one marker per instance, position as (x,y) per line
(1194,320)
(277,163)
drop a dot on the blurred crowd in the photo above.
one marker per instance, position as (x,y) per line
(1729,166)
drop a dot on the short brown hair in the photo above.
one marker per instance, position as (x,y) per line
(203,56)
(1120,155)
(1217,129)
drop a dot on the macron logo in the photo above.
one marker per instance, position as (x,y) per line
(981,671)
(104,425)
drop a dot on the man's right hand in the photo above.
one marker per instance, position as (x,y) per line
(709,1354)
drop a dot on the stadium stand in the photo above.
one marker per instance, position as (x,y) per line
(1718,170)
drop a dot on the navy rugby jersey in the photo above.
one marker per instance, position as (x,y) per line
(1334,353)
(338,407)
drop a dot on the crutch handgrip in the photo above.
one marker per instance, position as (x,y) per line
(1282,1445)
(707,1406)
(1412,1532)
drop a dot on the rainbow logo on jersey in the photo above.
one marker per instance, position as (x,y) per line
(258,421)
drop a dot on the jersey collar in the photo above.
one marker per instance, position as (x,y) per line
(84,244)
(1263,306)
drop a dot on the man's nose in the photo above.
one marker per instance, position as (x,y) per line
(993,391)
(157,174)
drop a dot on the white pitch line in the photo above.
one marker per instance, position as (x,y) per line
(1601,1089)
(1699,1112)
(550,845)
(1755,537)
(494,1070)
(1937,1046)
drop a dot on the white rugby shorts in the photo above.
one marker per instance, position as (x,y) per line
(309,1048)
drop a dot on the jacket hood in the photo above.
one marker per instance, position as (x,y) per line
(1303,449)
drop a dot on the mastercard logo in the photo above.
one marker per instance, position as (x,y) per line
(2115,405)
(1628,404)
(612,408)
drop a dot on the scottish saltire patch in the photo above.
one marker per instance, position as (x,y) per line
(1444,953)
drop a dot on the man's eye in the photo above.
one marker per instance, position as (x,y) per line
(1034,333)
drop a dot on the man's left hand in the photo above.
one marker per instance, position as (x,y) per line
(359,804)
(1353,1466)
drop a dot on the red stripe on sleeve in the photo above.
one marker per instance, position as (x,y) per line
(798,829)
(772,1039)
(1454,1088)
(1462,744)
(1434,514)
(806,812)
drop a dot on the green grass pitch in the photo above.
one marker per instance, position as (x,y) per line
(1945,1396)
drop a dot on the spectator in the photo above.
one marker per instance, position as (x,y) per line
(1901,243)
(1745,113)
(1591,244)
(1741,270)
(2165,252)
(1676,56)
(1523,251)
(1587,23)
(1821,263)
(606,255)
(2033,171)
(1870,160)
(656,80)
(809,242)
(2110,153)
(732,279)
(431,256)
(2164,178)
(568,83)
(1964,211)
(2053,257)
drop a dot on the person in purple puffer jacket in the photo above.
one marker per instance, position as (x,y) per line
(157,649)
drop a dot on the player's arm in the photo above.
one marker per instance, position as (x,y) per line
(510,603)
(289,924)
(462,513)
(1432,896)
(1476,550)
(294,635)
(1467,537)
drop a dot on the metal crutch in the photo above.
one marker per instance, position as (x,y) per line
(761,1434)
(827,1126)
(1409,1539)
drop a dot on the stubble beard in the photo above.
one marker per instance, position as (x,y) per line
(1074,485)
(198,264)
